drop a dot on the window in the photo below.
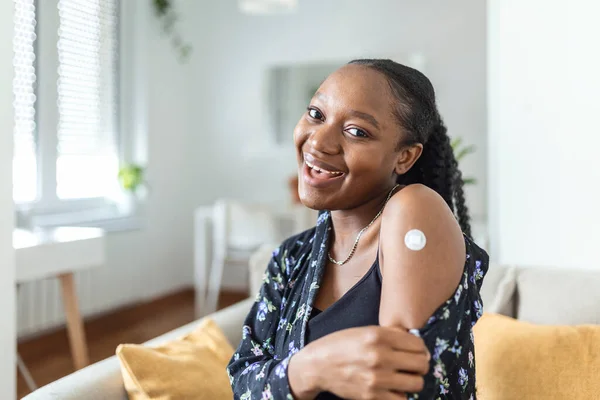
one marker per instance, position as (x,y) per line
(67,102)
(86,159)
(24,159)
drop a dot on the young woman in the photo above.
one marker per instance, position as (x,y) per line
(378,300)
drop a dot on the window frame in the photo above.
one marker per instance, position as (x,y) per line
(48,209)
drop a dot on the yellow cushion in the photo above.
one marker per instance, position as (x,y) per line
(192,367)
(518,360)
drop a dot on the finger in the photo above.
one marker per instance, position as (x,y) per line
(417,363)
(387,395)
(392,360)
(401,382)
(400,339)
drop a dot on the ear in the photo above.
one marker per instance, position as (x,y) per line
(407,157)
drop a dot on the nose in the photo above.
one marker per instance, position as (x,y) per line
(325,139)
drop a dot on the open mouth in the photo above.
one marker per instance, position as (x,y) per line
(319,171)
(319,177)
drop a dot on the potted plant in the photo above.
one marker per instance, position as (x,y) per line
(133,185)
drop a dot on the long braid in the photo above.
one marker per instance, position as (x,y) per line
(438,172)
(417,113)
(438,169)
(460,205)
(447,177)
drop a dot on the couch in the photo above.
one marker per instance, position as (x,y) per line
(540,295)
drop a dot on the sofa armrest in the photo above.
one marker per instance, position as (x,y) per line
(103,380)
(99,381)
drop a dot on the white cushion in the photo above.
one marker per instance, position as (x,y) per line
(498,290)
(558,296)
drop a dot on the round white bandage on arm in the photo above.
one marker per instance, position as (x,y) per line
(415,239)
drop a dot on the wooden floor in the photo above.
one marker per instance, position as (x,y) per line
(48,357)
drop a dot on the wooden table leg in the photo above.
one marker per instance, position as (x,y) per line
(79,350)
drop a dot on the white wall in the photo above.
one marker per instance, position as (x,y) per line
(233,50)
(544,142)
(7,266)
(160,254)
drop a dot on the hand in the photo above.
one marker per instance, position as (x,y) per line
(371,362)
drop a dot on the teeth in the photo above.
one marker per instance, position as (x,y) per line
(321,170)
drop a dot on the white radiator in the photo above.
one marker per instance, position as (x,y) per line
(40,307)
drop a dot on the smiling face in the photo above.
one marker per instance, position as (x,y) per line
(347,141)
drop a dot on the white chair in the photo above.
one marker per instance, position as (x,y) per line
(227,235)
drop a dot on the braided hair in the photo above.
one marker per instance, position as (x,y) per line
(417,113)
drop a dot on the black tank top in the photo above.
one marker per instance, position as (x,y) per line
(359,306)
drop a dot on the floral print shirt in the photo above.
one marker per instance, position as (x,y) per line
(275,328)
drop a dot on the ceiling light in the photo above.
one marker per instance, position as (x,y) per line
(267,6)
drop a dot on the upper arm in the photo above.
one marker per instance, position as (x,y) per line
(416,283)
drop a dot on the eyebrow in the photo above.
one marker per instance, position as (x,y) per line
(362,115)
(366,117)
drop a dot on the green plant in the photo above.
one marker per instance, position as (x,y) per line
(131,177)
(460,152)
(164,9)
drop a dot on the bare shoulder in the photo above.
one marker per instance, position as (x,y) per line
(415,198)
(420,207)
(420,279)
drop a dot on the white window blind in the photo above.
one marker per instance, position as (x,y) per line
(66,100)
(24,160)
(87,159)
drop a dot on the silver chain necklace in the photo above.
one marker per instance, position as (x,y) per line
(361,232)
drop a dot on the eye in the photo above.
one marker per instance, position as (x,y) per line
(357,132)
(315,114)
